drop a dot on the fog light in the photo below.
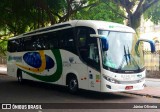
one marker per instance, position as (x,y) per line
(108,86)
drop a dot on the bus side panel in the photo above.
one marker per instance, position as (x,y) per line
(94,79)
(73,65)
(70,64)
(12,59)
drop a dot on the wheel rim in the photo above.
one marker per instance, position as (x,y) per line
(19,78)
(73,84)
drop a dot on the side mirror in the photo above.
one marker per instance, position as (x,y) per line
(103,39)
(104,43)
(151,42)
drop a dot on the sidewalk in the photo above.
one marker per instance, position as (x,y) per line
(151,79)
(147,91)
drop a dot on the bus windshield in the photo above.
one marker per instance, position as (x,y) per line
(121,55)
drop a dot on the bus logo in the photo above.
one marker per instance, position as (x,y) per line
(45,62)
(34,60)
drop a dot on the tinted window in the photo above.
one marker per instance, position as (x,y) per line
(62,39)
(14,45)
(88,47)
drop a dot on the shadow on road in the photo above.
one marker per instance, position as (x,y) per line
(63,90)
(35,90)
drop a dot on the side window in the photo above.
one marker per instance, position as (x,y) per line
(93,50)
(82,36)
(11,46)
(39,42)
(14,45)
(62,39)
(28,44)
(20,45)
(44,41)
(67,38)
(52,40)
(88,47)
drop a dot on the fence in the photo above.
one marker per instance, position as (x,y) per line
(152,64)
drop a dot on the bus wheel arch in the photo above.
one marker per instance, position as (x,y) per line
(72,83)
(19,76)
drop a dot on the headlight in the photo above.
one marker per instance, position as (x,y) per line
(110,79)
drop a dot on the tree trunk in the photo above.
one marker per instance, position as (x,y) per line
(134,20)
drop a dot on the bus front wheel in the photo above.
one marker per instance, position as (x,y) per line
(73,85)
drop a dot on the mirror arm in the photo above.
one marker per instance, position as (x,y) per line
(151,42)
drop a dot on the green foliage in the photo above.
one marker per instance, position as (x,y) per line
(153,13)
(134,9)
(20,16)
(102,11)
(3,47)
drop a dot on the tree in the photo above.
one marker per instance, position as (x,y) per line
(73,6)
(153,13)
(103,11)
(20,16)
(134,9)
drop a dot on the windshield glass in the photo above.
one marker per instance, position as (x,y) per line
(121,55)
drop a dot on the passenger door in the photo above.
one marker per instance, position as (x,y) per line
(88,49)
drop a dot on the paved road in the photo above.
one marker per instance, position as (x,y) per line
(33,92)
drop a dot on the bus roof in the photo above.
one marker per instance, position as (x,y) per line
(103,25)
(95,24)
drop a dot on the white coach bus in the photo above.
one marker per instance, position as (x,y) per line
(86,54)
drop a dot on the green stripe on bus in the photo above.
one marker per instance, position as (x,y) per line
(54,77)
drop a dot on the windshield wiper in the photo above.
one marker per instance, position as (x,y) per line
(127,57)
(124,58)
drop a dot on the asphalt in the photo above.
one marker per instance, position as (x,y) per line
(147,91)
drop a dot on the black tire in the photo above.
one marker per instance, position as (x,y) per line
(73,85)
(19,76)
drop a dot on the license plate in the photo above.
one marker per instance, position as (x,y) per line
(128,87)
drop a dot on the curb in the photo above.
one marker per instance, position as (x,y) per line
(146,95)
(153,80)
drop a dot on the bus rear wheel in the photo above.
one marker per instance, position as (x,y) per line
(73,85)
(19,76)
